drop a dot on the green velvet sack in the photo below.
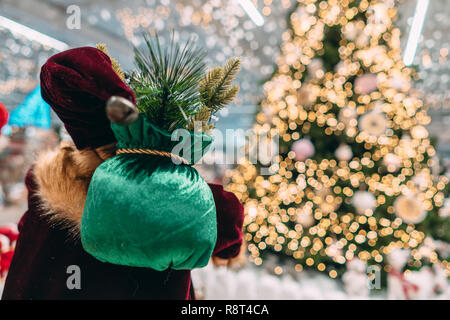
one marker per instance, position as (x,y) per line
(146,211)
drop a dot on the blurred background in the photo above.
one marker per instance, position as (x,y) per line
(33,30)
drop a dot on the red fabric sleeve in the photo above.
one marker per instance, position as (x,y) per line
(230,218)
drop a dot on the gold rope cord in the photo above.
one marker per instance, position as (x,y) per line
(152,152)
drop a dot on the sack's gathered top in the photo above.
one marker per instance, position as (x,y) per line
(147,206)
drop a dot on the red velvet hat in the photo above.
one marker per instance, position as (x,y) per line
(76,84)
(3,116)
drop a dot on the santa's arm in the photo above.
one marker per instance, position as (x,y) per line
(230,218)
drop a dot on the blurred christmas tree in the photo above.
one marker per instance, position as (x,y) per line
(357,174)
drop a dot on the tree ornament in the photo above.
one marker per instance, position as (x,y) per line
(407,147)
(419,132)
(343,152)
(373,123)
(334,250)
(305,219)
(366,83)
(303,149)
(363,201)
(409,209)
(342,68)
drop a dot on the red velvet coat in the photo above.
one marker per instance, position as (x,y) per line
(44,251)
(77,83)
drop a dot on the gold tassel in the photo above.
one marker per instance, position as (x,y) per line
(115,64)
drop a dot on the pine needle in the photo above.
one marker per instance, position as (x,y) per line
(209,82)
(167,81)
(202,117)
(229,95)
(231,69)
(216,89)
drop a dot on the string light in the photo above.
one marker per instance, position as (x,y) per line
(305,209)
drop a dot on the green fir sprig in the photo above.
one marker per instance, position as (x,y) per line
(216,87)
(216,91)
(166,82)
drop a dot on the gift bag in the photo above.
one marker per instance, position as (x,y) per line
(148,207)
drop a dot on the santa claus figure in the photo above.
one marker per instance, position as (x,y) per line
(49,261)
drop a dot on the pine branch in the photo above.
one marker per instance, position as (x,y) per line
(228,96)
(166,84)
(202,117)
(216,89)
(209,82)
(231,70)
